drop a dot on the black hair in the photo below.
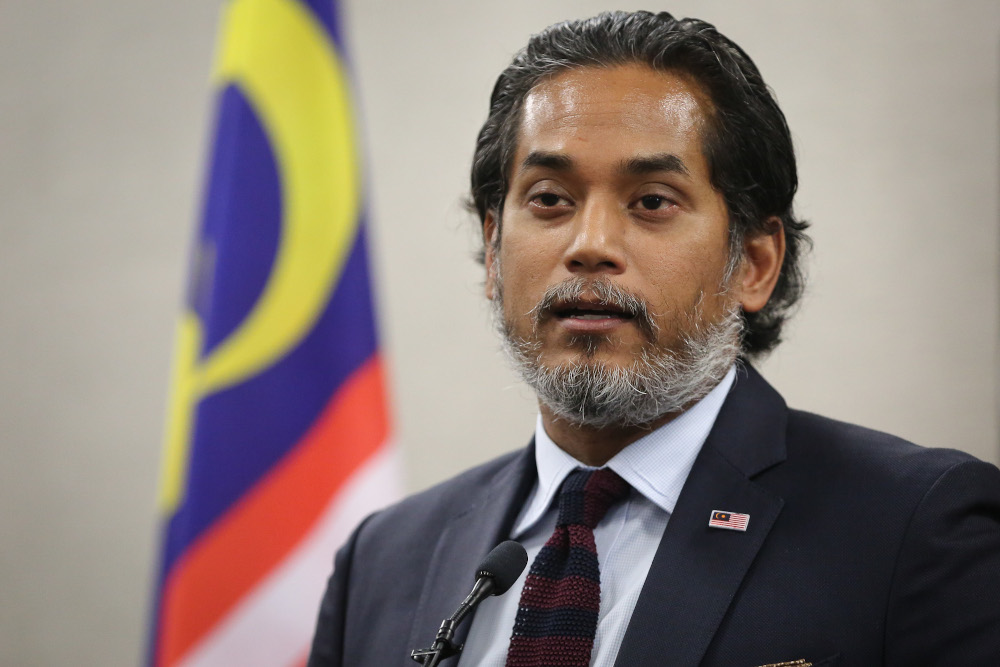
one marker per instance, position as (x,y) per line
(746,142)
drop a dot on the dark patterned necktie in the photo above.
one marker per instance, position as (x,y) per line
(557,616)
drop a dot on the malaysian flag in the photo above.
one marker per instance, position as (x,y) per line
(278,432)
(728,520)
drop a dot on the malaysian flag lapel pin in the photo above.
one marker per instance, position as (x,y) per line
(729,520)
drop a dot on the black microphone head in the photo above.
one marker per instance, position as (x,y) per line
(503,565)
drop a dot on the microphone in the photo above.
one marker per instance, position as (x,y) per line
(494,576)
(502,566)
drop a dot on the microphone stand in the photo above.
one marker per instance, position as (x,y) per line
(443,646)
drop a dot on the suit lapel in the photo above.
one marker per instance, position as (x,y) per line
(465,539)
(697,570)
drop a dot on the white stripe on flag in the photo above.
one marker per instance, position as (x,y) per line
(273,625)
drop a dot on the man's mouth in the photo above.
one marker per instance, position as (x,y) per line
(590,312)
(594,308)
(588,317)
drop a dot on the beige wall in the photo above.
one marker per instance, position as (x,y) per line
(104,115)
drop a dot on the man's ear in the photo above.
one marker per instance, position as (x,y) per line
(490,232)
(763,255)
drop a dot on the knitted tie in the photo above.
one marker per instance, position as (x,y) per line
(557,616)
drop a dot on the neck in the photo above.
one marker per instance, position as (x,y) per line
(594,446)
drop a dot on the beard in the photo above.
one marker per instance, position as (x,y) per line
(664,377)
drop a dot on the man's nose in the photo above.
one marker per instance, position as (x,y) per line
(597,245)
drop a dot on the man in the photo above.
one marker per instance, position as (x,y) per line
(634,180)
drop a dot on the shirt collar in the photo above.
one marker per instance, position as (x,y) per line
(656,465)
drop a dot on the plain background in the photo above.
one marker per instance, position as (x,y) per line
(105,116)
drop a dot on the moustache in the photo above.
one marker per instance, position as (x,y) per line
(577,292)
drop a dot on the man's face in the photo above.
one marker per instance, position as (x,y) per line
(609,186)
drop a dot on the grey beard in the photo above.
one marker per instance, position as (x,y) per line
(660,381)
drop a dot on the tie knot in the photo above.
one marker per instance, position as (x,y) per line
(586,496)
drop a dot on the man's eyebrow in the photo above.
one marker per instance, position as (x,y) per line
(635,166)
(661,162)
(546,160)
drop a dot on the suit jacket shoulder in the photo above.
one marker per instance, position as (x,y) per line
(838,459)
(439,503)
(853,445)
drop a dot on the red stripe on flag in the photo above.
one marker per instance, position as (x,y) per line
(258,531)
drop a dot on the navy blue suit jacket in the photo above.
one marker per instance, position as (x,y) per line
(861,550)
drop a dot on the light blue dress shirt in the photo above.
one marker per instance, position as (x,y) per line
(656,466)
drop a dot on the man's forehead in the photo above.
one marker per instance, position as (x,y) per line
(615,95)
(633,109)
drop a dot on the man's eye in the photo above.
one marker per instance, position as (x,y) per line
(548,199)
(654,202)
